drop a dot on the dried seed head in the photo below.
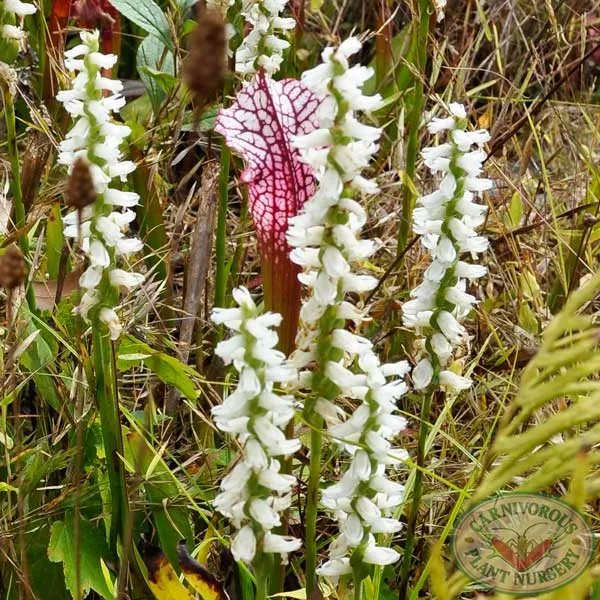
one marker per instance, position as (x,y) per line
(80,187)
(205,65)
(12,268)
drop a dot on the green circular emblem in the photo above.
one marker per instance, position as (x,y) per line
(521,543)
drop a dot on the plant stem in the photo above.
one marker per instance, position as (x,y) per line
(15,187)
(357,586)
(263,570)
(221,241)
(108,406)
(13,153)
(417,494)
(419,60)
(315,422)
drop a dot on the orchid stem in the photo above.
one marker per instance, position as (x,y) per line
(315,422)
(357,585)
(263,569)
(417,495)
(108,407)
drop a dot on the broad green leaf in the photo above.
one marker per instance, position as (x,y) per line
(46,578)
(156,67)
(91,549)
(165,81)
(147,15)
(167,368)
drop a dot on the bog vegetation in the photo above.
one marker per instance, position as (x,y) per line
(286,287)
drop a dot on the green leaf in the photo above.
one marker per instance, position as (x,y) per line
(46,578)
(147,15)
(515,211)
(164,495)
(165,81)
(36,358)
(206,121)
(91,549)
(167,368)
(55,240)
(156,66)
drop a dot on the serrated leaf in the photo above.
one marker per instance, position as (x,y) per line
(167,368)
(147,15)
(91,549)
(260,125)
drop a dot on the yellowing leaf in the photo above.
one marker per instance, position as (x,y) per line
(295,594)
(199,577)
(162,579)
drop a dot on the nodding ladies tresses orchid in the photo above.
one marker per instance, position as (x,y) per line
(95,138)
(14,11)
(263,47)
(446,220)
(326,242)
(255,493)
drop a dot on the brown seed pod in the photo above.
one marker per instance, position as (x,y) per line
(206,63)
(12,268)
(80,187)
